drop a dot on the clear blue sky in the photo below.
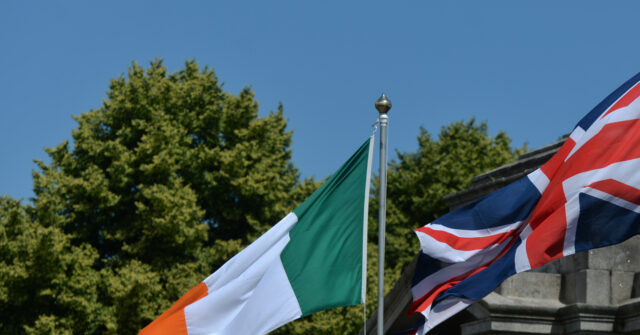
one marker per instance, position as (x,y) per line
(531,69)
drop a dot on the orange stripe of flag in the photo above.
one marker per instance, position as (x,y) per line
(172,322)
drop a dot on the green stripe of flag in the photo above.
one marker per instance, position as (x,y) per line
(324,258)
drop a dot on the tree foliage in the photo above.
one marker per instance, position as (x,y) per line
(43,276)
(167,180)
(164,182)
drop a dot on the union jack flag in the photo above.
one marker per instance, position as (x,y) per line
(586,196)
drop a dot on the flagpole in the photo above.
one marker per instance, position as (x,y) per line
(383,105)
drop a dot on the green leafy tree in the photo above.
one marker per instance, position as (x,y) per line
(44,277)
(164,182)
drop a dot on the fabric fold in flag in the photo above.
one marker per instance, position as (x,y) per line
(313,259)
(586,196)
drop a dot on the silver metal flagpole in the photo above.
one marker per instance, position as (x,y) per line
(383,105)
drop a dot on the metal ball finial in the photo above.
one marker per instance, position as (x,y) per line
(383,105)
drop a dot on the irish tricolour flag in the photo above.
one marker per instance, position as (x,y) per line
(313,259)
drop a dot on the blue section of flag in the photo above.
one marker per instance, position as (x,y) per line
(602,223)
(426,266)
(504,206)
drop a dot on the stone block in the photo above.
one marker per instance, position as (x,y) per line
(629,317)
(586,319)
(532,285)
(620,257)
(516,325)
(569,264)
(621,286)
(587,286)
(635,291)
